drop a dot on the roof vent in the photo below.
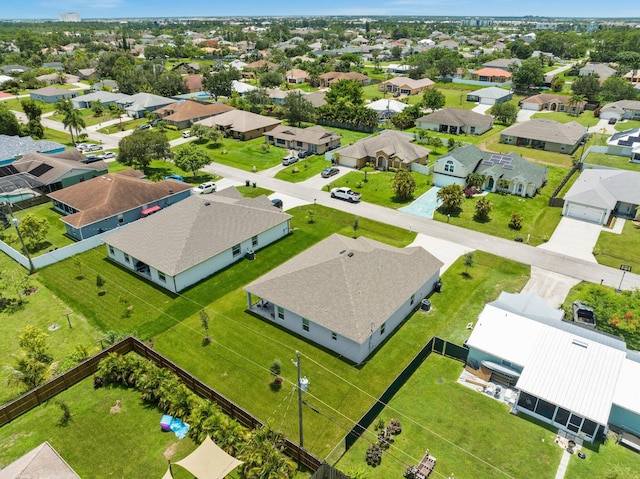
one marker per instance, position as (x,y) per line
(350,254)
(207,203)
(582,344)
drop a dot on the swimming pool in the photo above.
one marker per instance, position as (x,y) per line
(424,205)
(16,197)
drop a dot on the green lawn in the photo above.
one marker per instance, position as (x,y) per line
(539,220)
(469,433)
(304,169)
(585,119)
(378,189)
(130,124)
(87,114)
(251,192)
(158,169)
(604,460)
(16,105)
(616,249)
(627,125)
(96,442)
(542,157)
(42,309)
(244,155)
(59,136)
(244,347)
(55,236)
(612,161)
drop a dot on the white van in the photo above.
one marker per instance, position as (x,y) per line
(186,134)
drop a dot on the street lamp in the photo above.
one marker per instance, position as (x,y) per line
(16,222)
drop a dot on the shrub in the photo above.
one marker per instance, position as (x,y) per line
(515,223)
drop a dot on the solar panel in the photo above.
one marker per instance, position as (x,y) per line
(487,162)
(508,167)
(40,170)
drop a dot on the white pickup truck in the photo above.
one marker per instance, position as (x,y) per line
(345,193)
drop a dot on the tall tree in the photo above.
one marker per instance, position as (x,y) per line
(529,73)
(298,109)
(9,124)
(345,92)
(72,119)
(617,88)
(143,146)
(33,112)
(403,185)
(433,99)
(220,83)
(588,86)
(451,197)
(505,112)
(34,230)
(191,158)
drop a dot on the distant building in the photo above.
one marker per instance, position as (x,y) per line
(69,17)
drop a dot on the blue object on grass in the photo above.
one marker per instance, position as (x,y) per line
(179,428)
(165,422)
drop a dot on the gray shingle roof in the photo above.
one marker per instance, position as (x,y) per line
(604,188)
(547,130)
(348,293)
(457,117)
(14,146)
(315,135)
(195,229)
(63,164)
(41,462)
(493,92)
(240,121)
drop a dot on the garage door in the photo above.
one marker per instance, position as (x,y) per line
(445,180)
(487,101)
(586,213)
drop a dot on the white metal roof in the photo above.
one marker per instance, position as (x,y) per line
(627,391)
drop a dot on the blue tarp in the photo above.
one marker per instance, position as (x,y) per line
(179,428)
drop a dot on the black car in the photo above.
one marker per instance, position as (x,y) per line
(327,172)
(277,202)
(304,154)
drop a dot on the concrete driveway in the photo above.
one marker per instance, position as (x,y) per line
(317,182)
(445,251)
(574,238)
(288,202)
(525,115)
(481,108)
(552,287)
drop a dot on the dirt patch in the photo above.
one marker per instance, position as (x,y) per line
(170,451)
(116,409)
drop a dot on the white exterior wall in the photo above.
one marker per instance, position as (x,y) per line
(348,161)
(585,213)
(442,178)
(344,346)
(425,125)
(531,106)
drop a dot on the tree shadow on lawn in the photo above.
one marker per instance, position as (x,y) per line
(454,213)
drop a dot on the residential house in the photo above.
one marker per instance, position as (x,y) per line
(315,139)
(601,70)
(489,96)
(242,88)
(242,125)
(388,149)
(181,245)
(5,78)
(552,102)
(456,121)
(193,83)
(448,44)
(53,171)
(491,75)
(350,294)
(87,74)
(546,135)
(57,66)
(519,341)
(506,64)
(505,173)
(110,85)
(14,69)
(316,98)
(186,68)
(277,95)
(184,113)
(633,76)
(251,70)
(137,105)
(13,147)
(405,85)
(296,76)
(41,461)
(51,94)
(327,79)
(621,110)
(599,194)
(105,98)
(625,143)
(113,200)
(58,78)
(386,108)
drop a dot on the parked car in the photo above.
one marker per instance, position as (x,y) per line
(304,154)
(107,155)
(289,160)
(204,188)
(174,177)
(91,159)
(144,126)
(186,134)
(81,146)
(327,172)
(345,193)
(613,121)
(93,147)
(277,202)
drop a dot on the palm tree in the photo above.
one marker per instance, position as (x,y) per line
(574,101)
(72,118)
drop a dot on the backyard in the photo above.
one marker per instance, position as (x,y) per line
(55,237)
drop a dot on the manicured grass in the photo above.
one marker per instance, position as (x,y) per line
(87,114)
(469,433)
(612,161)
(378,189)
(42,309)
(97,443)
(59,136)
(539,220)
(616,249)
(606,459)
(251,192)
(244,347)
(542,157)
(129,124)
(16,105)
(244,155)
(158,169)
(627,125)
(153,309)
(585,119)
(55,236)
(304,169)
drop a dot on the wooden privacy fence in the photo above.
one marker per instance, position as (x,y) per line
(36,396)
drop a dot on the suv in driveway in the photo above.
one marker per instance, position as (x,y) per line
(345,193)
(289,160)
(327,172)
(204,188)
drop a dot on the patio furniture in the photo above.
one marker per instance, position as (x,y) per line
(426,466)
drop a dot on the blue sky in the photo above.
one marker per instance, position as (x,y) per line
(49,9)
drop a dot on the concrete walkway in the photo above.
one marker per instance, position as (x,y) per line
(550,286)
(564,462)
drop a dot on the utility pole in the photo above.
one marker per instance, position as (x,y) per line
(16,222)
(299,365)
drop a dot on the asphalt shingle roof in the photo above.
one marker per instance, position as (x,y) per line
(393,143)
(457,117)
(547,130)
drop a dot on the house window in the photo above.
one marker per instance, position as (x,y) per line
(254,241)
(120,219)
(280,141)
(472,129)
(162,277)
(236,250)
(449,166)
(562,416)
(334,336)
(299,143)
(574,423)
(270,138)
(280,312)
(111,251)
(81,178)
(305,324)
(382,328)
(126,258)
(413,298)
